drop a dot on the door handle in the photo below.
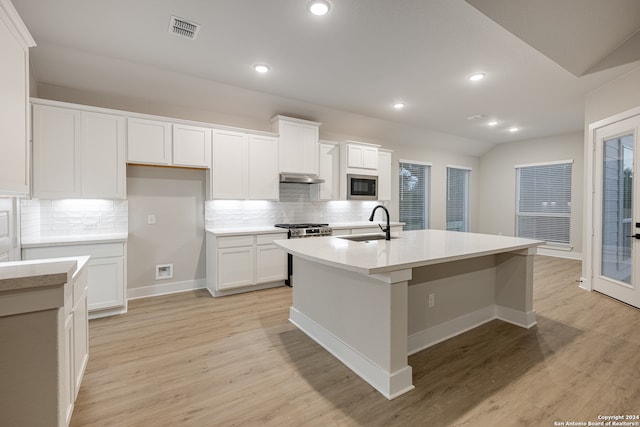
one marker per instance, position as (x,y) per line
(635,236)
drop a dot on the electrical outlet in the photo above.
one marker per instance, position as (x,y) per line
(151,219)
(432,300)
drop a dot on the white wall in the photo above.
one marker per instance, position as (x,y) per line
(616,97)
(498,181)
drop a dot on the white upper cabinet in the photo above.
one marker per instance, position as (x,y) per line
(56,152)
(15,41)
(77,154)
(362,156)
(244,166)
(329,165)
(384,175)
(102,169)
(148,141)
(264,182)
(229,165)
(191,146)
(298,144)
(157,142)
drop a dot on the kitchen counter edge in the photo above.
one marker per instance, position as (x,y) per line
(73,240)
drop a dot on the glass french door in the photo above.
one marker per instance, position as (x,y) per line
(617,212)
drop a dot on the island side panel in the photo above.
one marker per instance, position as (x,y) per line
(463,299)
(514,287)
(360,319)
(30,359)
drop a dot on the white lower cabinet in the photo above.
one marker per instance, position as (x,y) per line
(271,261)
(235,267)
(244,262)
(106,293)
(74,347)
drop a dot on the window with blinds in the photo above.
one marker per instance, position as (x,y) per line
(414,195)
(458,199)
(543,202)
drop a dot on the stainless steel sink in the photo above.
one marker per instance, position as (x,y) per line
(365,237)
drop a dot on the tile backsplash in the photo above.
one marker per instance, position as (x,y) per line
(46,218)
(84,217)
(295,205)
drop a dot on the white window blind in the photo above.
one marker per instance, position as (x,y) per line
(543,202)
(414,195)
(457,199)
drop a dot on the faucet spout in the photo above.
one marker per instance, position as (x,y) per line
(387,231)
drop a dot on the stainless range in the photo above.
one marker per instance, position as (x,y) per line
(297,231)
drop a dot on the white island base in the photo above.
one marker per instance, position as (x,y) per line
(367,303)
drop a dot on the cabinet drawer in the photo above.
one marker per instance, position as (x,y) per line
(94,250)
(235,241)
(267,239)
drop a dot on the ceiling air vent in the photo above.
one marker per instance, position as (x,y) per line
(184,28)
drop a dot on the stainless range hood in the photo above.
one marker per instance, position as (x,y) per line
(300,178)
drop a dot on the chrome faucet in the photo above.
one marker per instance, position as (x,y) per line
(387,231)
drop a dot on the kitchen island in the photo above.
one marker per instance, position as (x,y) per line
(372,303)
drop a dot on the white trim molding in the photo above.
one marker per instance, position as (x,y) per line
(166,288)
(556,162)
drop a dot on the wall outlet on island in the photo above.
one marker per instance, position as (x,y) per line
(432,300)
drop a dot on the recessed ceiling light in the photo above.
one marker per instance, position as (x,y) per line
(492,123)
(319,7)
(477,76)
(261,68)
(513,129)
(398,105)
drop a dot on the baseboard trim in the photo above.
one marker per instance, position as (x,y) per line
(244,289)
(389,384)
(560,254)
(519,318)
(442,332)
(166,288)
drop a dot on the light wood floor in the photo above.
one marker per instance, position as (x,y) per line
(191,360)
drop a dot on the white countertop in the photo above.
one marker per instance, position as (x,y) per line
(265,229)
(66,240)
(23,275)
(410,249)
(268,229)
(362,224)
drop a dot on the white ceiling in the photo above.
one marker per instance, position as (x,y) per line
(360,58)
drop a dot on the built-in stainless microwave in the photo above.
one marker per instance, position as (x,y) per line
(362,187)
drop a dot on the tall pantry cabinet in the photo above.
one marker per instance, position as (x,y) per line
(15,42)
